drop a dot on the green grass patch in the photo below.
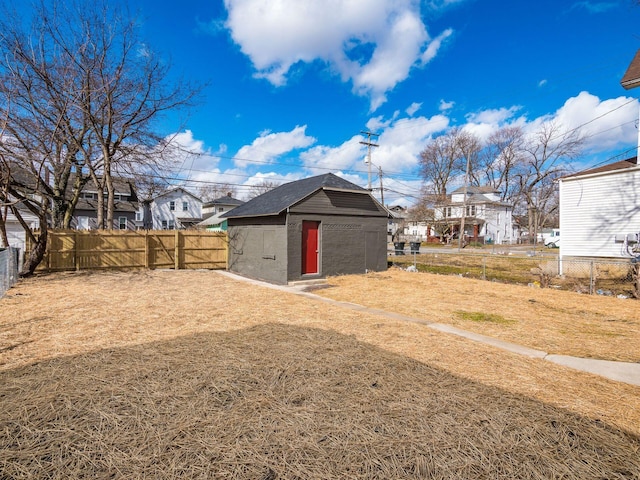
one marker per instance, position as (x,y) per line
(484,317)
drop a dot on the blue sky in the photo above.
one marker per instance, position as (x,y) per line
(292,83)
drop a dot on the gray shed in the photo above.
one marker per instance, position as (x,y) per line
(308,229)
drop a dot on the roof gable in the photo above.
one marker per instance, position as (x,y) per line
(631,77)
(280,198)
(177,189)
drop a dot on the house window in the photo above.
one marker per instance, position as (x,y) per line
(89,196)
(83,223)
(164,224)
(122,223)
(471,211)
(447,212)
(172,205)
(138,216)
(185,206)
(220,209)
(172,225)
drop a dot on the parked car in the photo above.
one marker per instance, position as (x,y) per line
(553,242)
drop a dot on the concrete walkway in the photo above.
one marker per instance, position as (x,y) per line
(626,372)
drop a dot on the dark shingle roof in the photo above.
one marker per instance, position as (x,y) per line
(621,165)
(280,198)
(226,200)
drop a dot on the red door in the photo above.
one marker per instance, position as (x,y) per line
(310,250)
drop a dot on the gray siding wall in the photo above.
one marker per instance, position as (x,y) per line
(348,244)
(259,251)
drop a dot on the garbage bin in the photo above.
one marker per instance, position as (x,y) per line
(415,247)
(399,246)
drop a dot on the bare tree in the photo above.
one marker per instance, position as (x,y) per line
(544,154)
(440,161)
(213,191)
(262,187)
(501,160)
(80,94)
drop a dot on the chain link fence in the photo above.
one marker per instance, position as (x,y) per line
(597,277)
(8,268)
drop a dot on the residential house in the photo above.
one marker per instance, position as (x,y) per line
(174,209)
(212,213)
(308,229)
(600,211)
(16,234)
(220,205)
(125,205)
(418,230)
(487,218)
(397,218)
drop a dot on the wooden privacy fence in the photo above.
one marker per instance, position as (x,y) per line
(115,249)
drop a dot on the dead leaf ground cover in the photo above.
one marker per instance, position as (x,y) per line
(190,374)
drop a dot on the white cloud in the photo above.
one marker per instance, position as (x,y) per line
(188,153)
(542,82)
(432,50)
(484,123)
(321,159)
(413,108)
(268,146)
(444,106)
(373,44)
(606,124)
(400,143)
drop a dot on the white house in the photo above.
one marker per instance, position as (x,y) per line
(487,218)
(212,212)
(220,205)
(174,209)
(600,211)
(15,233)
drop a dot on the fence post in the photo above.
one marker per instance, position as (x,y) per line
(592,280)
(176,251)
(484,267)
(147,251)
(75,251)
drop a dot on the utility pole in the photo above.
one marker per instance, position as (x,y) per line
(381,189)
(369,144)
(464,204)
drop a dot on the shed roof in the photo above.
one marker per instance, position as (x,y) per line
(280,198)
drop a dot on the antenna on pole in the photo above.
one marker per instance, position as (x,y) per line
(369,144)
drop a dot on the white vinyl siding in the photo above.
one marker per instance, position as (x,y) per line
(594,209)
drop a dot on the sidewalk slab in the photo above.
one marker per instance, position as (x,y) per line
(621,371)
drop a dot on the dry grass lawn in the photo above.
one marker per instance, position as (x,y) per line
(189,374)
(557,322)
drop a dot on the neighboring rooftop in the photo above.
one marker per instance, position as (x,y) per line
(225,200)
(621,165)
(631,78)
